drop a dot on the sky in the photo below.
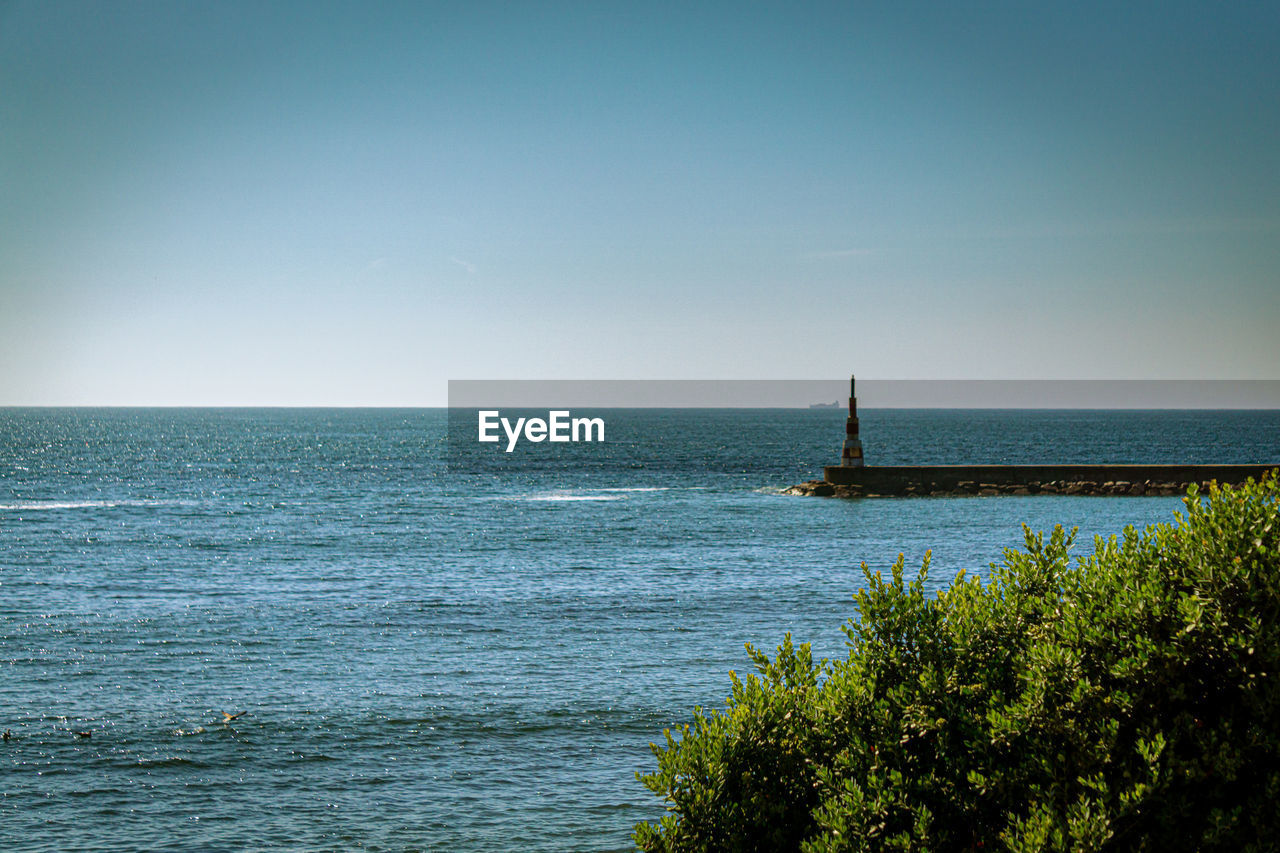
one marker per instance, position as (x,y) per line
(351,204)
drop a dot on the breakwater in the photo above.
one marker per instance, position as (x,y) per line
(914,480)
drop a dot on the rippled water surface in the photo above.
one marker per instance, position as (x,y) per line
(438,646)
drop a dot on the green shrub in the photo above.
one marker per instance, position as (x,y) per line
(1128,702)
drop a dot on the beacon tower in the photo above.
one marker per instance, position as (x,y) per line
(851,455)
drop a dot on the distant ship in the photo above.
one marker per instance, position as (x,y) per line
(834,405)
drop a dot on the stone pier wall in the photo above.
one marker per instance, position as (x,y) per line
(872,481)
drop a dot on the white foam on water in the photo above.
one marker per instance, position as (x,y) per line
(633,489)
(42,505)
(611,493)
(558,496)
(571,498)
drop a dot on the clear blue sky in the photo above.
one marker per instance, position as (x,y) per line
(307,203)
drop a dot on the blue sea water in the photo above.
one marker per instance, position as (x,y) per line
(440,646)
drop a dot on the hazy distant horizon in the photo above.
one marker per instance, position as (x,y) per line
(873,394)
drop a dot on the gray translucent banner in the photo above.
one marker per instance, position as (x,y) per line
(871,393)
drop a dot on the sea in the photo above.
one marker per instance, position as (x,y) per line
(437,645)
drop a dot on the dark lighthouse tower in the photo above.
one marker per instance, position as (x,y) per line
(851,454)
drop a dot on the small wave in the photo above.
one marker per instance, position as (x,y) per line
(569,498)
(613,493)
(631,489)
(42,505)
(565,495)
(170,761)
